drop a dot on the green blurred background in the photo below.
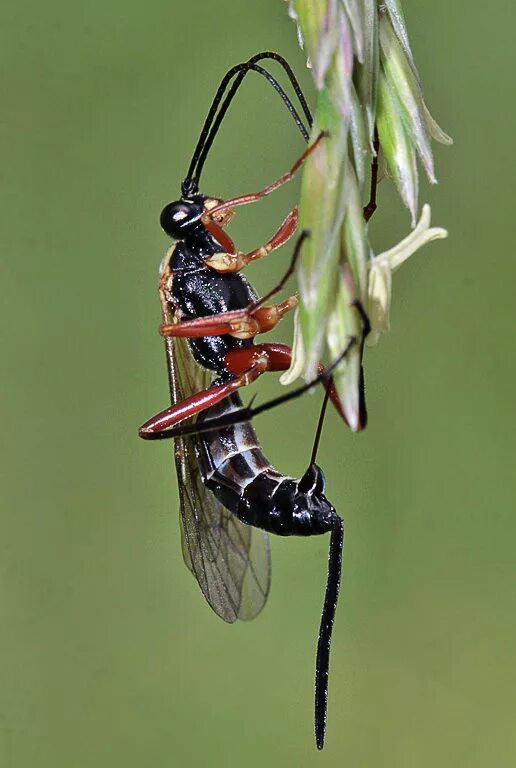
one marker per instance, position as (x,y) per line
(108,654)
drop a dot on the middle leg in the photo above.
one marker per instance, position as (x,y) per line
(240,323)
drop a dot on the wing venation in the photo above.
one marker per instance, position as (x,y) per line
(230,560)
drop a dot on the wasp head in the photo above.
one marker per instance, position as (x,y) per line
(182,216)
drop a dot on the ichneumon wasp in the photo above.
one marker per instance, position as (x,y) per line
(211,315)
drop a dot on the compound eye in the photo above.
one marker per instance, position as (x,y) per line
(174,217)
(180,213)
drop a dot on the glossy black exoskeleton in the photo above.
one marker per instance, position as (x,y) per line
(197,290)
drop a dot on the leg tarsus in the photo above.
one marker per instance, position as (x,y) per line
(371,207)
(366,329)
(290,271)
(364,317)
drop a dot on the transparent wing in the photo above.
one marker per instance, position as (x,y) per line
(230,560)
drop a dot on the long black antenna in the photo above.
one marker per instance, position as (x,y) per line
(322,662)
(245,68)
(210,127)
(291,76)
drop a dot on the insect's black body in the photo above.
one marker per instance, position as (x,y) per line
(198,291)
(233,466)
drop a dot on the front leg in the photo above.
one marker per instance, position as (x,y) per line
(229,262)
(254,196)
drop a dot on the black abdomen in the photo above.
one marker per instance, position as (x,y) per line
(235,469)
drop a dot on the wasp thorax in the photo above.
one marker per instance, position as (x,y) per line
(178,217)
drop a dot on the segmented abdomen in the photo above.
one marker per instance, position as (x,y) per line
(231,458)
(235,469)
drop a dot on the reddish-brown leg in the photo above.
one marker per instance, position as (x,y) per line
(220,236)
(241,323)
(290,271)
(156,428)
(229,261)
(254,196)
(279,357)
(247,364)
(212,325)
